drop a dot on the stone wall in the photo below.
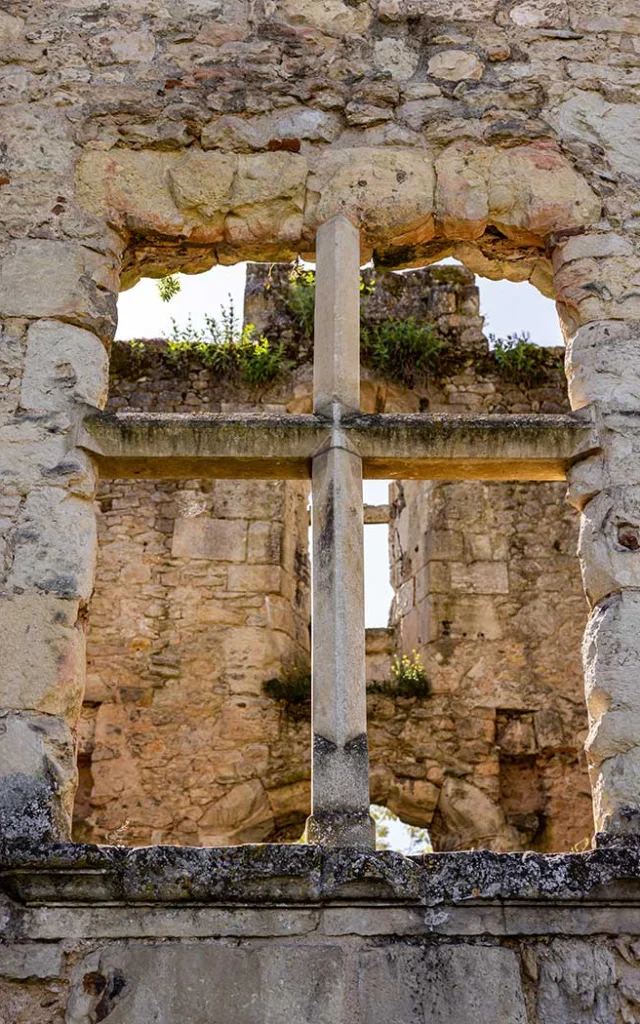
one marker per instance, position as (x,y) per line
(254,936)
(145,137)
(202,596)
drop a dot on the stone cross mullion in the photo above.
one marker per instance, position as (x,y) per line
(333,447)
(340,759)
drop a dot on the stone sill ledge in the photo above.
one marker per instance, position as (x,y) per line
(70,874)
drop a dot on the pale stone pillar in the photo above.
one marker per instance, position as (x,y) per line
(58,300)
(603,370)
(340,765)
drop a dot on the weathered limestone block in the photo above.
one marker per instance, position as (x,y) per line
(256,984)
(32,447)
(335,17)
(46,278)
(588,115)
(31,960)
(446,985)
(202,537)
(456,10)
(456,65)
(609,547)
(56,545)
(201,185)
(462,193)
(602,373)
(268,199)
(612,663)
(42,653)
(413,800)
(243,815)
(63,363)
(238,135)
(575,983)
(596,289)
(540,14)
(474,818)
(387,192)
(49,541)
(527,192)
(395,57)
(37,776)
(601,365)
(135,189)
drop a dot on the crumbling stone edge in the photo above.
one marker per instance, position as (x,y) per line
(69,873)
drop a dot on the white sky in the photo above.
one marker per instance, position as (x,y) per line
(507,308)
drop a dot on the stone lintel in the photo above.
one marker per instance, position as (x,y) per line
(376,515)
(415,446)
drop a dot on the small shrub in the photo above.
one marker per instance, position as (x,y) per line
(520,361)
(228,349)
(293,687)
(169,287)
(402,350)
(409,678)
(301,299)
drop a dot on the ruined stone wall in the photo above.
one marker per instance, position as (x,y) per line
(265,934)
(202,596)
(146,136)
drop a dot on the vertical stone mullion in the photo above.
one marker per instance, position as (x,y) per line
(340,761)
(62,296)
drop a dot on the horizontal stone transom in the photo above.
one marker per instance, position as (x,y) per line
(417,446)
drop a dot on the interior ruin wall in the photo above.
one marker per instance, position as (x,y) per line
(202,596)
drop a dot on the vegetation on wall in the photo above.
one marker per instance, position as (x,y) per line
(293,685)
(301,300)
(406,351)
(408,678)
(224,346)
(293,689)
(403,351)
(518,360)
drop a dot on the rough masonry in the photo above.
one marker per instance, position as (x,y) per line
(144,137)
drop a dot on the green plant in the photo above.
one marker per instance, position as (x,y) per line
(169,287)
(409,678)
(520,361)
(301,299)
(293,686)
(402,350)
(228,348)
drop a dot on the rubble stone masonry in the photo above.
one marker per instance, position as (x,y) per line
(141,137)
